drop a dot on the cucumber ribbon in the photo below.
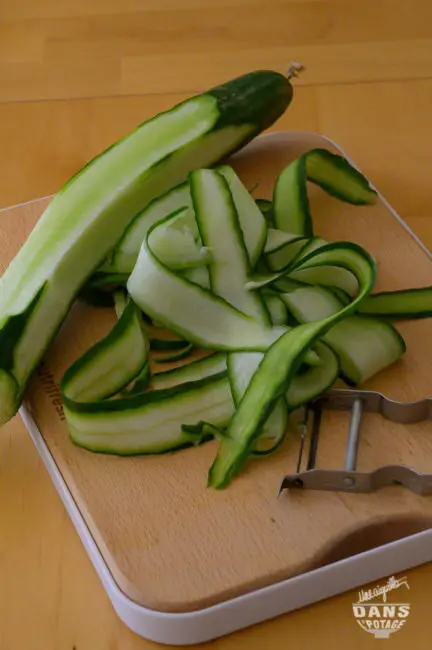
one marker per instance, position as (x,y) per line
(206,269)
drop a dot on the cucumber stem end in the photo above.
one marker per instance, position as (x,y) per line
(295,69)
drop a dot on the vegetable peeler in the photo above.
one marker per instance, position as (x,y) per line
(349,479)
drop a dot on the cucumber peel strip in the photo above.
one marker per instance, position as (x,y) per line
(377,343)
(399,305)
(139,421)
(281,361)
(332,172)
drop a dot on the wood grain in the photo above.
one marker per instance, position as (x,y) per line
(59,53)
(385,126)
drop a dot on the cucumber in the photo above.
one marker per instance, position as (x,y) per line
(88,217)
(122,260)
(112,363)
(364,345)
(167,344)
(208,317)
(332,172)
(191,311)
(277,309)
(177,355)
(289,254)
(277,239)
(338,276)
(123,257)
(280,258)
(281,362)
(220,231)
(150,422)
(198,275)
(252,223)
(213,364)
(306,386)
(266,208)
(177,243)
(141,421)
(398,305)
(336,176)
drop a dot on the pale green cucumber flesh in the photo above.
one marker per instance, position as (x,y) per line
(220,232)
(198,275)
(175,242)
(213,364)
(280,258)
(151,423)
(125,254)
(241,368)
(363,344)
(192,311)
(330,276)
(306,386)
(334,174)
(96,220)
(290,200)
(277,239)
(281,361)
(252,223)
(269,382)
(398,305)
(111,363)
(277,309)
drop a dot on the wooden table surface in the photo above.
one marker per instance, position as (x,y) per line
(74,76)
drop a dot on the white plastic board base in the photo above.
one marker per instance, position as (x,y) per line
(255,607)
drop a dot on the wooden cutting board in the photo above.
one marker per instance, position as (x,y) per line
(174,545)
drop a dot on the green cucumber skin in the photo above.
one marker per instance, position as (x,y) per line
(137,402)
(266,207)
(315,380)
(201,183)
(282,360)
(398,305)
(193,371)
(176,356)
(141,381)
(95,438)
(13,329)
(354,380)
(291,185)
(247,105)
(340,163)
(242,431)
(217,313)
(332,172)
(358,327)
(185,442)
(129,321)
(164,345)
(259,97)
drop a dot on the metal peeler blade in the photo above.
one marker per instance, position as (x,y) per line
(348,479)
